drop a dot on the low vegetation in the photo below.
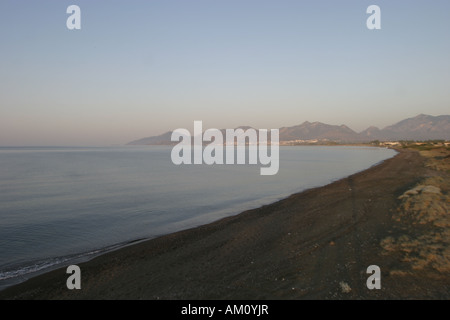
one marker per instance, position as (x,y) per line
(423,215)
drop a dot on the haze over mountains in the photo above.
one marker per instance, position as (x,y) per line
(421,127)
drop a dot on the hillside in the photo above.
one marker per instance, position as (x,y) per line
(421,127)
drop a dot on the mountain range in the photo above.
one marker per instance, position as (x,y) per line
(420,128)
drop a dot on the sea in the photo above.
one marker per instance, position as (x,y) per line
(64,205)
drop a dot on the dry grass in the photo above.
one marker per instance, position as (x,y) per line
(427,205)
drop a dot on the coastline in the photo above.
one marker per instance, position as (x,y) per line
(301,247)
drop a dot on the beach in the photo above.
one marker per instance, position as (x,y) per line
(316,244)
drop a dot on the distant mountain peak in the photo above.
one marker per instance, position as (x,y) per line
(420,127)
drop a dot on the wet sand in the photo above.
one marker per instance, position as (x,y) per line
(313,245)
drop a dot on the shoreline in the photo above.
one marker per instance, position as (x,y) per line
(45,265)
(303,246)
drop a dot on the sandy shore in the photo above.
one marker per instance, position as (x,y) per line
(313,245)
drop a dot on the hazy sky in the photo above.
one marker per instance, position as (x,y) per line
(140,68)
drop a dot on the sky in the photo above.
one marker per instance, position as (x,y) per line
(141,68)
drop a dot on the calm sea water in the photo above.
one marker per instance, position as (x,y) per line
(60,205)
